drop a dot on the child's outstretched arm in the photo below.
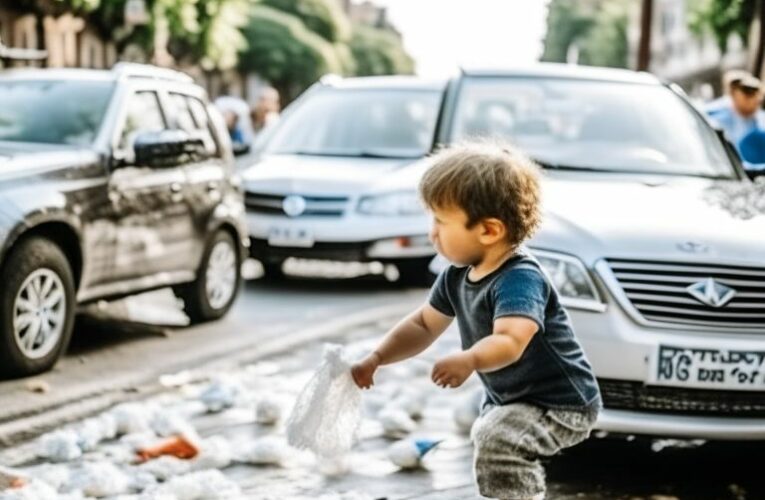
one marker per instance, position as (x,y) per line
(409,337)
(511,335)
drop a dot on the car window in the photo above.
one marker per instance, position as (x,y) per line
(143,115)
(202,124)
(358,122)
(53,112)
(182,114)
(609,126)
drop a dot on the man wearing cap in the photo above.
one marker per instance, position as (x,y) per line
(744,113)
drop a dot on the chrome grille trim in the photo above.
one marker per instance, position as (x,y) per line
(654,293)
(315,205)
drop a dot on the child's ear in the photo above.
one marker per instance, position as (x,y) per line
(492,230)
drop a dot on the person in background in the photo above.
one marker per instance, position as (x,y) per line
(729,78)
(744,112)
(234,131)
(266,109)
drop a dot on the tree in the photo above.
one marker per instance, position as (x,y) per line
(324,17)
(281,49)
(597,28)
(379,52)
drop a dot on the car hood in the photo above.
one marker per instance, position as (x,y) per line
(612,215)
(24,159)
(292,174)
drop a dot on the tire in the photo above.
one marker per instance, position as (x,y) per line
(221,270)
(35,265)
(415,272)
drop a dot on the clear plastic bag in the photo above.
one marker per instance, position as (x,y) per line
(327,412)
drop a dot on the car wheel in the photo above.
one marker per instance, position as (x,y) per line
(415,272)
(218,281)
(37,305)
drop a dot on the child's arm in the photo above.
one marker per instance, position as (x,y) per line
(511,335)
(409,337)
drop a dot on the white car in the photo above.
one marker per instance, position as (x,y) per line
(336,179)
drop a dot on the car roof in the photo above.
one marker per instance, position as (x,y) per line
(120,71)
(570,71)
(385,83)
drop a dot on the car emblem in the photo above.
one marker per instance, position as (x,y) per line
(693,247)
(293,205)
(711,293)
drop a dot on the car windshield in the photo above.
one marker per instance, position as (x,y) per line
(390,123)
(52,112)
(584,124)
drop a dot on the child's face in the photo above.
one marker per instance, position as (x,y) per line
(458,243)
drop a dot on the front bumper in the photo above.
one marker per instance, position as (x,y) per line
(622,354)
(350,238)
(681,426)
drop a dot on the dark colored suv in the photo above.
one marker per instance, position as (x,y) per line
(111,183)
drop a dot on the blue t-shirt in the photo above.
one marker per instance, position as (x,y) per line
(553,371)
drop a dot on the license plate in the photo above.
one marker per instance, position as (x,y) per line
(290,237)
(709,368)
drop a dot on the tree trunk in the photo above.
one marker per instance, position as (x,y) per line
(644,49)
(759,46)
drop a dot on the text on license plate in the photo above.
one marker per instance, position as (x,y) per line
(290,237)
(710,368)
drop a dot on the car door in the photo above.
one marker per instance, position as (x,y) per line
(206,177)
(153,229)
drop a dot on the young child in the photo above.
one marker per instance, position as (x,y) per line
(541,395)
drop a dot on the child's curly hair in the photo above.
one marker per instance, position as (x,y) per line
(486,180)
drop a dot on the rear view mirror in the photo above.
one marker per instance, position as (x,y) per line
(167,148)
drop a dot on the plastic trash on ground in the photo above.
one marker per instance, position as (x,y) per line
(396,422)
(59,446)
(268,410)
(165,468)
(176,446)
(33,490)
(267,450)
(408,453)
(221,394)
(214,453)
(94,430)
(202,485)
(54,475)
(99,480)
(168,424)
(132,418)
(11,479)
(327,412)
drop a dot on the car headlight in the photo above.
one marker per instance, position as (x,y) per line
(571,279)
(391,204)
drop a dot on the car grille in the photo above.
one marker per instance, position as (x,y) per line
(658,291)
(322,206)
(625,395)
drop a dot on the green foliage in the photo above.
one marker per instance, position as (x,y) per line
(281,49)
(598,29)
(722,18)
(379,52)
(324,17)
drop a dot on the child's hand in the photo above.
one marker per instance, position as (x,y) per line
(453,370)
(363,371)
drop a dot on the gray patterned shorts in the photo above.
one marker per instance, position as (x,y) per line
(510,439)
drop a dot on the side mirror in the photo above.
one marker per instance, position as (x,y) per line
(240,149)
(167,148)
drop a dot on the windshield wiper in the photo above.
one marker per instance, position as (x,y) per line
(573,168)
(353,154)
